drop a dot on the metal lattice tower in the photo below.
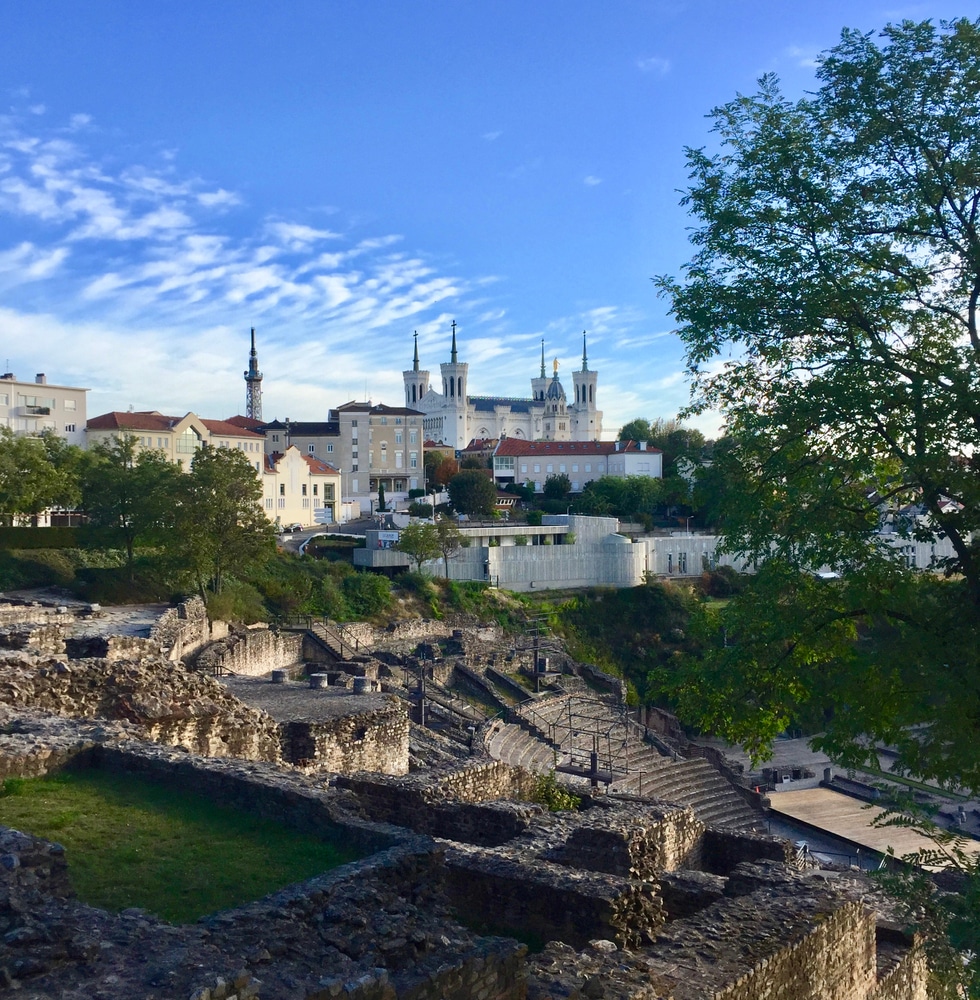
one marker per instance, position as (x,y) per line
(253,384)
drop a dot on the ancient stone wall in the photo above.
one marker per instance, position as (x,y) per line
(902,968)
(722,850)
(252,653)
(110,647)
(635,845)
(532,898)
(366,741)
(422,806)
(169,704)
(44,637)
(183,630)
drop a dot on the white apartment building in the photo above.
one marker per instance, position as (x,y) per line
(31,408)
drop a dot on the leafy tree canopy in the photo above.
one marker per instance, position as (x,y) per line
(473,493)
(557,486)
(837,272)
(420,542)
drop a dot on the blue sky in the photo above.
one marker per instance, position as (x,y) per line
(339,175)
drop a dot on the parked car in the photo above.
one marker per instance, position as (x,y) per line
(295,526)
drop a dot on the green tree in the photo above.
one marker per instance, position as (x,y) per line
(419,541)
(136,493)
(449,539)
(36,473)
(472,493)
(637,429)
(382,505)
(557,486)
(838,269)
(222,526)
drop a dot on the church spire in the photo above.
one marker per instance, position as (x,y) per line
(253,384)
(585,357)
(542,358)
(452,355)
(415,360)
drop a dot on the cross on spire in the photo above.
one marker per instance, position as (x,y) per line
(452,356)
(415,362)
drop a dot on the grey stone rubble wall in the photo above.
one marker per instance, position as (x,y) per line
(110,647)
(505,895)
(628,845)
(169,704)
(364,741)
(420,809)
(46,637)
(183,630)
(723,850)
(32,614)
(252,653)
(33,872)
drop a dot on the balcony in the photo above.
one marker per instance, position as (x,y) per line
(38,411)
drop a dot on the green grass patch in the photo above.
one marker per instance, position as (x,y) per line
(132,842)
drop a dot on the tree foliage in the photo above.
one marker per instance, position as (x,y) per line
(837,266)
(420,542)
(449,539)
(472,493)
(628,497)
(557,486)
(133,492)
(221,525)
(36,473)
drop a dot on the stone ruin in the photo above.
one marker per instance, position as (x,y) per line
(469,890)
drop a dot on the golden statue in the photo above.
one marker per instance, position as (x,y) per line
(556,368)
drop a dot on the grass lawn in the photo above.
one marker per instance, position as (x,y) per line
(131,842)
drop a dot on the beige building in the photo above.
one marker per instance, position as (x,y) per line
(179,438)
(31,408)
(300,489)
(516,461)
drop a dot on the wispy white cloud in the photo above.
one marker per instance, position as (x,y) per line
(804,57)
(591,181)
(654,65)
(492,136)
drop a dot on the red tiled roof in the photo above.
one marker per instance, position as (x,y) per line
(250,423)
(320,468)
(228,429)
(140,420)
(519,447)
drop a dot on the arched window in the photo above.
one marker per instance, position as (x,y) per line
(590,393)
(413,393)
(459,391)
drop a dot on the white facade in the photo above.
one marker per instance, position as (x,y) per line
(32,408)
(517,461)
(454,417)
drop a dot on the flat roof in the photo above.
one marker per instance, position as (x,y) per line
(852,819)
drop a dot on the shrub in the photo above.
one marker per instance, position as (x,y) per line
(366,594)
(520,539)
(569,538)
(534,518)
(548,792)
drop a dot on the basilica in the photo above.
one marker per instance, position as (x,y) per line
(454,418)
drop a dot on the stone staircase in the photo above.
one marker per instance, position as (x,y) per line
(570,728)
(514,745)
(693,783)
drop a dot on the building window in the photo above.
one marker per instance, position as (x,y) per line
(574,467)
(306,501)
(413,437)
(398,459)
(670,563)
(315,489)
(303,490)
(282,503)
(561,468)
(353,468)
(588,467)
(329,448)
(353,423)
(188,442)
(311,449)
(413,460)
(282,489)
(398,437)
(275,438)
(69,403)
(4,399)
(384,421)
(681,562)
(523,468)
(398,420)
(69,428)
(537,467)
(268,503)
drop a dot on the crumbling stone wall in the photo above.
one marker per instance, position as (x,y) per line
(252,652)
(532,898)
(44,637)
(169,705)
(183,630)
(110,647)
(662,838)
(365,741)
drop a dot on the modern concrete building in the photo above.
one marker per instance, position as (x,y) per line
(32,408)
(454,417)
(518,461)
